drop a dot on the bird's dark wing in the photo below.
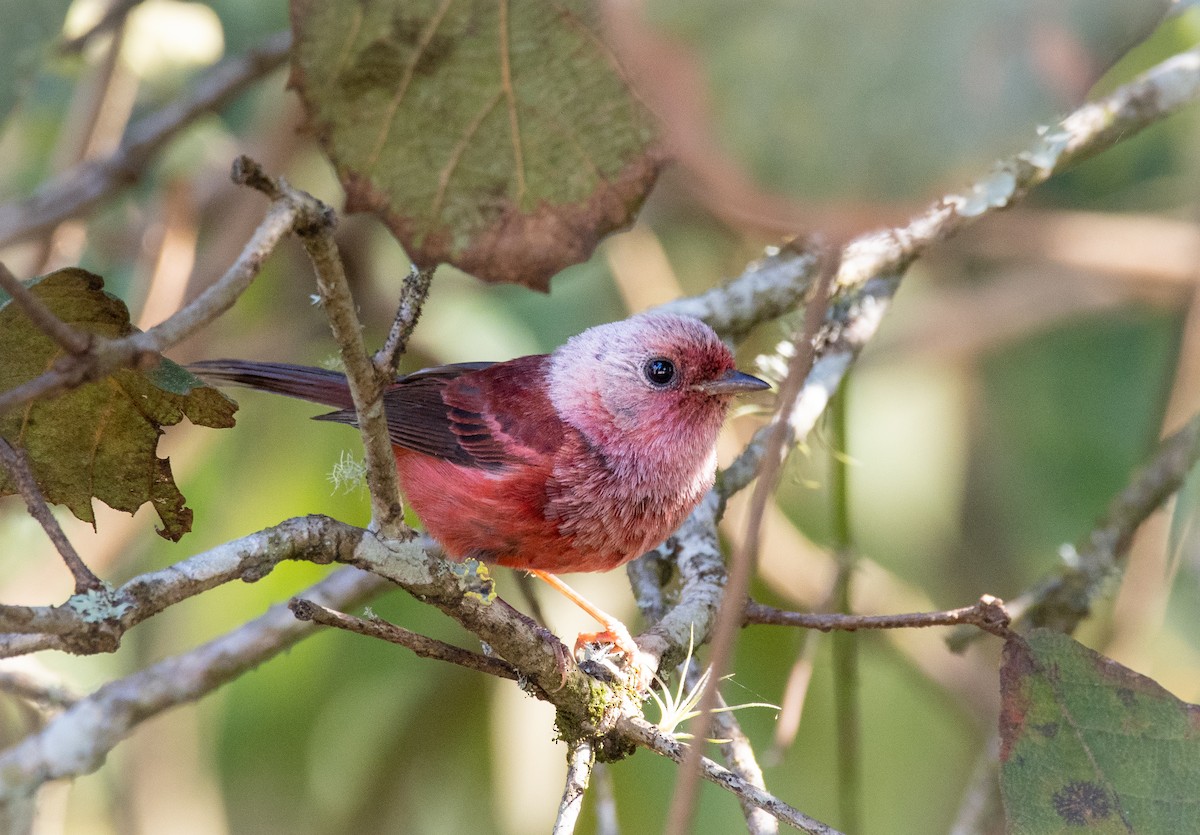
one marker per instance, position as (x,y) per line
(475,414)
(503,413)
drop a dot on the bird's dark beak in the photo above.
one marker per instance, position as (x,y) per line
(732,382)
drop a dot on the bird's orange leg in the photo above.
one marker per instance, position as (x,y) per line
(614,633)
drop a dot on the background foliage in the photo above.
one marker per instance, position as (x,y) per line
(1025,369)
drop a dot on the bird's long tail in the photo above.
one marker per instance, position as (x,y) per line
(316,385)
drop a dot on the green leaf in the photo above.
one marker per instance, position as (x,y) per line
(498,137)
(99,440)
(1088,745)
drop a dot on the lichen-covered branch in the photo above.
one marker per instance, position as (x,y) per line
(745,560)
(94,620)
(774,285)
(873,264)
(739,758)
(581,757)
(647,577)
(77,740)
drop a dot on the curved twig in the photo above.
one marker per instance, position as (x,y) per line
(80,188)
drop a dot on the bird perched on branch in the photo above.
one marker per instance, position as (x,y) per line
(579,460)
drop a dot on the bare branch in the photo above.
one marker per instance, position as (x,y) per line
(412,299)
(18,468)
(315,224)
(580,758)
(423,646)
(79,189)
(1063,600)
(988,614)
(113,17)
(76,741)
(648,736)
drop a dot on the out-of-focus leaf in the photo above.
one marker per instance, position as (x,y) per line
(868,98)
(1088,745)
(25,37)
(498,137)
(99,439)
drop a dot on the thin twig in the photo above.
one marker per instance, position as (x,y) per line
(106,355)
(1063,600)
(729,616)
(82,187)
(93,124)
(739,758)
(988,614)
(844,656)
(40,688)
(980,809)
(795,694)
(314,226)
(648,736)
(70,340)
(113,16)
(421,645)
(581,756)
(18,469)
(412,299)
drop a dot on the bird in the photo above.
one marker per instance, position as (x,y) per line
(575,461)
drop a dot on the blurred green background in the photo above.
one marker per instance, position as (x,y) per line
(1025,369)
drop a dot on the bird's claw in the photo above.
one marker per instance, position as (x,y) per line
(606,647)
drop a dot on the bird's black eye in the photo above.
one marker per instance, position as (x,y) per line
(659,371)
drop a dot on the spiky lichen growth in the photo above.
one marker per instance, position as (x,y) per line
(679,707)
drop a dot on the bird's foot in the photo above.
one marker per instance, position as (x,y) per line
(615,651)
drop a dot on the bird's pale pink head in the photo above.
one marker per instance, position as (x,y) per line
(655,385)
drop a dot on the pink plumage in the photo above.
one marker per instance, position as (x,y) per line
(579,460)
